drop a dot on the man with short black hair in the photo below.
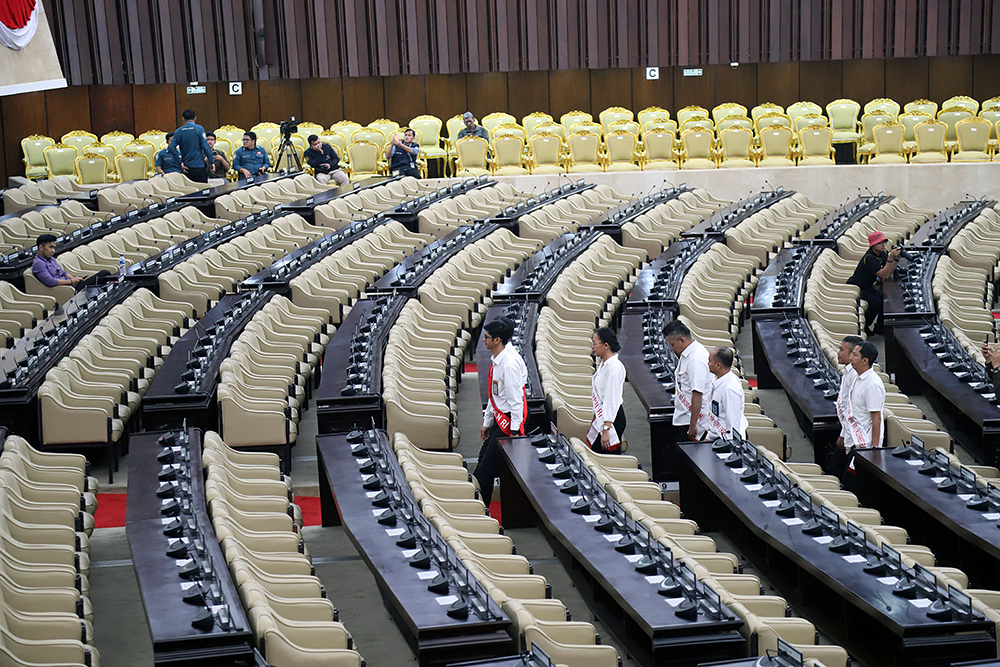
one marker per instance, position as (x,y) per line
(508,404)
(691,382)
(220,165)
(196,154)
(248,160)
(865,426)
(722,408)
(402,154)
(168,161)
(837,462)
(325,162)
(48,271)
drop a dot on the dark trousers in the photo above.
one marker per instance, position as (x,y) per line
(619,424)
(198,174)
(876,309)
(839,464)
(489,463)
(414,172)
(665,454)
(98,278)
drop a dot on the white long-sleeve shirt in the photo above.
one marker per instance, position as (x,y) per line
(847,381)
(606,394)
(722,407)
(507,388)
(691,375)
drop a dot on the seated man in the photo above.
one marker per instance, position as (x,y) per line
(169,161)
(49,273)
(325,162)
(249,160)
(402,154)
(992,355)
(471,128)
(875,266)
(220,166)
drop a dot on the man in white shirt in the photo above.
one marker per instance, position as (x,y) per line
(866,400)
(691,380)
(507,408)
(722,409)
(837,459)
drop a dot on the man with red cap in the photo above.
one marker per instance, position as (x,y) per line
(875,265)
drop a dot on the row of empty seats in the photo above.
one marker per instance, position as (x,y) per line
(585,296)
(204,277)
(47,501)
(90,396)
(20,312)
(448,498)
(567,214)
(334,283)
(266,377)
(964,279)
(654,230)
(259,530)
(446,215)
(419,388)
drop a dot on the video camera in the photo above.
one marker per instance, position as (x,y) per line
(904,254)
(289,127)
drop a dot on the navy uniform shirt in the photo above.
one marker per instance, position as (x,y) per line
(169,161)
(190,139)
(251,159)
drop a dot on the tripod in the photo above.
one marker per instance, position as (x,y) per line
(287,153)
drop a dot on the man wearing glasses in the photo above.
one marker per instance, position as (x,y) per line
(249,160)
(508,406)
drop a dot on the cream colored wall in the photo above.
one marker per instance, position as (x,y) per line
(926,186)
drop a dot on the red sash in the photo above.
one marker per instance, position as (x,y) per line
(502,418)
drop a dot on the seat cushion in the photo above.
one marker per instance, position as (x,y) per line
(473,171)
(737,163)
(548,169)
(698,163)
(813,161)
(623,166)
(668,165)
(585,169)
(928,158)
(888,159)
(432,152)
(511,171)
(970,156)
(845,136)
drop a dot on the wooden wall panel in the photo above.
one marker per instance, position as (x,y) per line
(111,109)
(364,99)
(239,110)
(610,87)
(280,99)
(906,79)
(864,79)
(205,105)
(736,84)
(569,90)
(484,94)
(405,97)
(69,109)
(154,107)
(658,92)
(820,81)
(448,93)
(526,92)
(689,90)
(22,115)
(949,76)
(985,76)
(322,101)
(778,83)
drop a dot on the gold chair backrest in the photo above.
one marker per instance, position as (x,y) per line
(621,146)
(930,136)
(92,169)
(659,145)
(888,138)
(471,151)
(509,150)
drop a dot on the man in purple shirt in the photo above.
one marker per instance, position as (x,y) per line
(49,273)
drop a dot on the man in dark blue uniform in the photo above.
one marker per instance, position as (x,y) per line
(249,160)
(168,161)
(196,154)
(402,154)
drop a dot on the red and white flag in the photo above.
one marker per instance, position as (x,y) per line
(18,22)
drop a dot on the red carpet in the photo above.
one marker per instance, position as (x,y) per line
(470,367)
(110,510)
(752,383)
(311,515)
(495,510)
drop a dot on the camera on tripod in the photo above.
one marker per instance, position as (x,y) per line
(289,127)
